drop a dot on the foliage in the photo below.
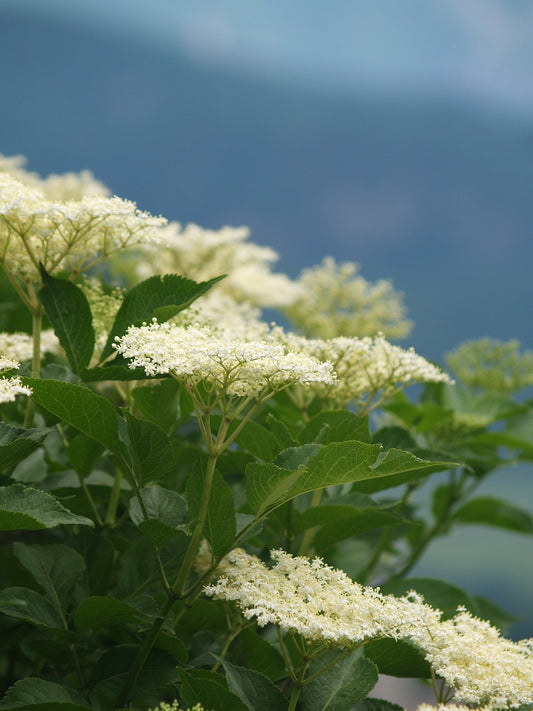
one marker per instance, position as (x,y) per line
(156,456)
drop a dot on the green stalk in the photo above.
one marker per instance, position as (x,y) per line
(112,504)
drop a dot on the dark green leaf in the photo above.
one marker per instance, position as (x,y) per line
(220,527)
(355,524)
(69,313)
(17,443)
(208,692)
(165,510)
(297,457)
(80,407)
(259,441)
(22,508)
(336,426)
(83,453)
(174,646)
(158,297)
(55,567)
(371,704)
(281,432)
(102,611)
(30,606)
(255,652)
(494,512)
(149,448)
(164,403)
(398,658)
(342,686)
(40,695)
(257,691)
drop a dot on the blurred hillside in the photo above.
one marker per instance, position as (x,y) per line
(432,195)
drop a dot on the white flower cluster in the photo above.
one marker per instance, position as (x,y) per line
(365,366)
(233,367)
(65,235)
(484,668)
(336,301)
(11,387)
(203,254)
(19,346)
(67,186)
(323,604)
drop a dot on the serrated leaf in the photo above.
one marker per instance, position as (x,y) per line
(17,443)
(80,407)
(211,694)
(342,686)
(149,448)
(68,311)
(159,296)
(23,508)
(55,567)
(398,658)
(491,511)
(30,606)
(102,611)
(32,694)
(165,510)
(336,426)
(257,691)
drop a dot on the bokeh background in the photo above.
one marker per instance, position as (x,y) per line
(395,134)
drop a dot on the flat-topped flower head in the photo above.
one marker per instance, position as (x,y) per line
(11,387)
(19,346)
(230,367)
(337,301)
(69,236)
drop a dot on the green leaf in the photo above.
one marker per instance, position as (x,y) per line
(297,457)
(165,510)
(437,593)
(69,313)
(17,443)
(158,297)
(39,695)
(336,426)
(259,441)
(220,527)
(255,652)
(398,658)
(30,606)
(281,432)
(102,611)
(342,686)
(208,692)
(494,512)
(22,508)
(164,403)
(269,486)
(55,567)
(80,407)
(345,525)
(83,453)
(257,691)
(371,704)
(149,448)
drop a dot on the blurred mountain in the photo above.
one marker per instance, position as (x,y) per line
(435,196)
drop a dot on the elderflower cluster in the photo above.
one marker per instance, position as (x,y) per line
(202,254)
(364,366)
(484,668)
(323,604)
(337,301)
(19,346)
(67,186)
(313,599)
(492,365)
(175,706)
(11,387)
(233,367)
(71,235)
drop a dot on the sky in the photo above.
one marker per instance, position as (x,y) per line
(475,50)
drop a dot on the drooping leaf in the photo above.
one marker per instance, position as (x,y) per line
(149,448)
(220,526)
(165,510)
(69,313)
(342,686)
(158,297)
(82,453)
(17,443)
(80,407)
(23,508)
(253,651)
(102,611)
(32,694)
(398,658)
(30,606)
(257,691)
(208,692)
(259,441)
(164,403)
(492,511)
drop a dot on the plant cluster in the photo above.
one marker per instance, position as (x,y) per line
(197,507)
